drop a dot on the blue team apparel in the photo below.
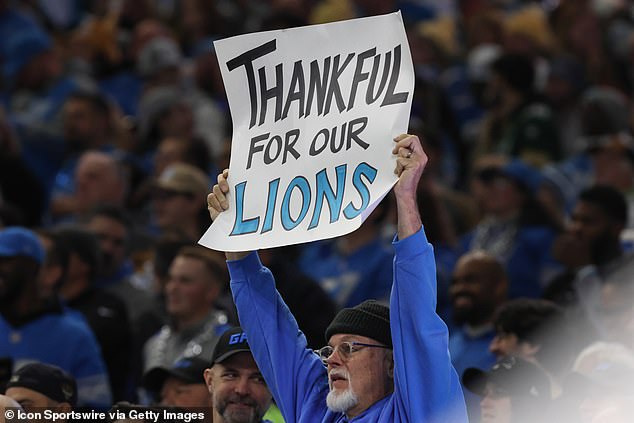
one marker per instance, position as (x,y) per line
(426,386)
(64,340)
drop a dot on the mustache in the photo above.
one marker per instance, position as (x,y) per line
(339,373)
(242,400)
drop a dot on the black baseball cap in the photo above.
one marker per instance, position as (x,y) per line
(515,375)
(231,342)
(46,379)
(188,370)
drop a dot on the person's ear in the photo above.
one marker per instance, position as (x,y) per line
(209,379)
(390,364)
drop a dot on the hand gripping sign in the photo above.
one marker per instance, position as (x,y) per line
(314,113)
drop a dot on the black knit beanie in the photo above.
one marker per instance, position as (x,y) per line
(370,318)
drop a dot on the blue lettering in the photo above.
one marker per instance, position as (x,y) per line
(270,205)
(241,226)
(238,338)
(324,189)
(364,169)
(287,221)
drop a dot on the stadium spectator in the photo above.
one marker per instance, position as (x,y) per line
(513,391)
(38,329)
(197,277)
(515,228)
(38,387)
(477,288)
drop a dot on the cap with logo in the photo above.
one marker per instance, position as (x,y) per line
(16,241)
(188,370)
(46,379)
(231,342)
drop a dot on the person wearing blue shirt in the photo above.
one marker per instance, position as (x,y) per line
(381,364)
(34,329)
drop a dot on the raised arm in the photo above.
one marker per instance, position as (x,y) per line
(294,374)
(427,387)
(410,163)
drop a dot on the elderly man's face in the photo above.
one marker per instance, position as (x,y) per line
(239,393)
(361,379)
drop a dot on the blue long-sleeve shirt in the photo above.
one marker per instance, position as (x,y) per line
(426,386)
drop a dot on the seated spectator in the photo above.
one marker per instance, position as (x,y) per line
(478,287)
(35,90)
(536,331)
(38,329)
(87,125)
(179,200)
(114,231)
(104,312)
(606,156)
(172,150)
(513,391)
(590,246)
(99,178)
(197,276)
(39,386)
(515,228)
(518,123)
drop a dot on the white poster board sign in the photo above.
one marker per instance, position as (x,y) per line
(314,113)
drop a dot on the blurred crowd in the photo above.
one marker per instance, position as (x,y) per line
(114,124)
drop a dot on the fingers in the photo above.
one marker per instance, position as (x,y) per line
(217,199)
(408,142)
(400,165)
(220,197)
(222,181)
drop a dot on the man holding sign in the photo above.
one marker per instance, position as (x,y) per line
(381,364)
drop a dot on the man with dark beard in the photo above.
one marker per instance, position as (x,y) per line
(477,288)
(591,243)
(238,391)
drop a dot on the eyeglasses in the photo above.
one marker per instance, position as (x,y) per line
(345,350)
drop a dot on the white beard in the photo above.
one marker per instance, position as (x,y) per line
(340,402)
